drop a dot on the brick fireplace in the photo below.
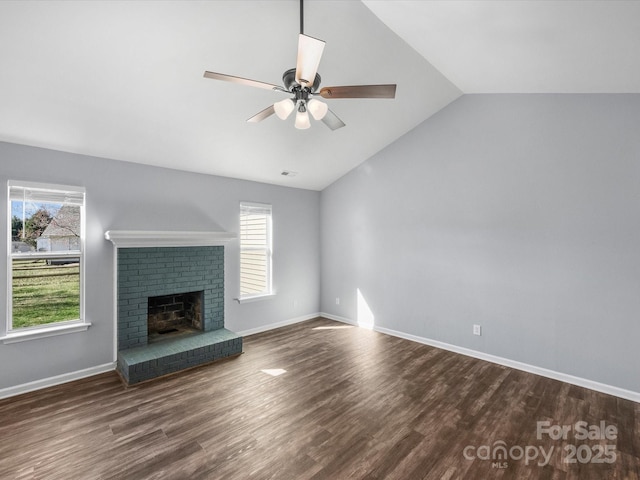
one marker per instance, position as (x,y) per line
(146,272)
(170,302)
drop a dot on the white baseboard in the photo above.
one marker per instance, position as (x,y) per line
(563,377)
(338,319)
(57,380)
(284,323)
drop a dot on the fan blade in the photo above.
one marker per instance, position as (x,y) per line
(359,91)
(258,117)
(309,55)
(242,81)
(332,121)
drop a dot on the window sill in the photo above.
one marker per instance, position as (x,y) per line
(26,335)
(255,298)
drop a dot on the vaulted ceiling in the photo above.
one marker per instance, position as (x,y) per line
(124,79)
(524,46)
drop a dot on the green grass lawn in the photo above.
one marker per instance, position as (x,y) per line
(44,293)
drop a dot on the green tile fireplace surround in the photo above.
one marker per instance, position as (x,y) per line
(153,264)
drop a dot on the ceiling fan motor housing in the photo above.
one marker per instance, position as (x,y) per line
(289,81)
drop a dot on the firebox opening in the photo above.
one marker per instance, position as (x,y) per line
(175,314)
(167,330)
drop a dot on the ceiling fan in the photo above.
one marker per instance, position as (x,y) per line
(302,84)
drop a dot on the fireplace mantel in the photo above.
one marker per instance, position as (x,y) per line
(146,238)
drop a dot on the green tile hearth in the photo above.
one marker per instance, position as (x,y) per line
(174,354)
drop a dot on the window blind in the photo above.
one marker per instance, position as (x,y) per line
(255,249)
(27,194)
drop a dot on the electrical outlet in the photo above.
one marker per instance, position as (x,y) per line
(477,330)
(337,300)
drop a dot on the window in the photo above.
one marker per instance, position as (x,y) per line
(46,258)
(255,250)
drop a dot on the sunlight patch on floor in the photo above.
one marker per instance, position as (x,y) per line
(274,372)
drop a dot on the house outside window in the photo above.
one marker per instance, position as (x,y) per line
(255,250)
(46,256)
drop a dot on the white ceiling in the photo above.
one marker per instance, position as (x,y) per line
(123,79)
(570,46)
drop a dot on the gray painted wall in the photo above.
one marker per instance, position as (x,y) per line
(129,196)
(517,212)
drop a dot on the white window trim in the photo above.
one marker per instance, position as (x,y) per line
(25,334)
(271,293)
(12,335)
(254,298)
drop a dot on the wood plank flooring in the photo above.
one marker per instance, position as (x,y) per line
(351,403)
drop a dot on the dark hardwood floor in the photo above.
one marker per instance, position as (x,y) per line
(348,403)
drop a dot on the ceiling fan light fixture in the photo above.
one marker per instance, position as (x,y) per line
(302,118)
(283,108)
(317,108)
